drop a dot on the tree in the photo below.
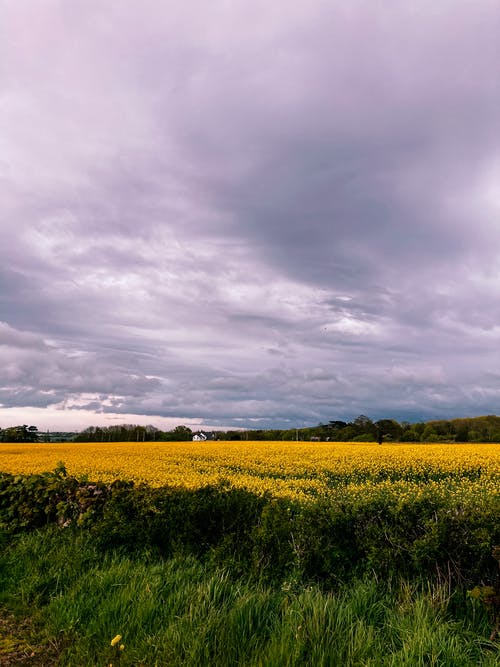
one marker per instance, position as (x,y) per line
(181,434)
(23,433)
(429,434)
(462,434)
(364,425)
(330,431)
(388,429)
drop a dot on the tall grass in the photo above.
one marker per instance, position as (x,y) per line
(180,612)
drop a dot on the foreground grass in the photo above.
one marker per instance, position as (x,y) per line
(181,612)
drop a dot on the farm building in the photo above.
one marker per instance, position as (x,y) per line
(200,436)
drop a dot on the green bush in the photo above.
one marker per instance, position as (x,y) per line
(328,541)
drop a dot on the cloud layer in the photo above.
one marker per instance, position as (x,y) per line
(246,214)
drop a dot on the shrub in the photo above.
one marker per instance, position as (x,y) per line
(328,540)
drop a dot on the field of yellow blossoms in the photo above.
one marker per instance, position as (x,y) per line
(295,470)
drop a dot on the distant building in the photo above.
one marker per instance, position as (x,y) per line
(201,436)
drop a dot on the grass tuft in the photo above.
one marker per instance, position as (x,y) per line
(180,612)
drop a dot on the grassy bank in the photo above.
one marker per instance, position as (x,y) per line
(181,612)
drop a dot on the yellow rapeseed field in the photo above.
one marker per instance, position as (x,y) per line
(286,469)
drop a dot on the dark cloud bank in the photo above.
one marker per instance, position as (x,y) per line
(248,214)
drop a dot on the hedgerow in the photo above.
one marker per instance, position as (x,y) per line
(328,540)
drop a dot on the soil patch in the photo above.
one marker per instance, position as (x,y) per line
(20,645)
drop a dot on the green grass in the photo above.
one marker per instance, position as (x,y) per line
(180,612)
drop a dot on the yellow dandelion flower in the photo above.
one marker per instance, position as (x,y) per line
(115,640)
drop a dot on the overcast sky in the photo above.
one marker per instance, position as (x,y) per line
(248,214)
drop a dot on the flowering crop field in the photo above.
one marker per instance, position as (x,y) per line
(302,471)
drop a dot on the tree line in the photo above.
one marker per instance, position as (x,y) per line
(23,433)
(361,429)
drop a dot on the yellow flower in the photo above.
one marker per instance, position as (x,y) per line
(122,646)
(465,473)
(115,640)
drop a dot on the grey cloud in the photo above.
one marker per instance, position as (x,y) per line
(201,207)
(36,373)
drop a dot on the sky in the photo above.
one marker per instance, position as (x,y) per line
(248,214)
